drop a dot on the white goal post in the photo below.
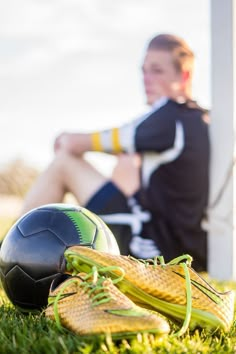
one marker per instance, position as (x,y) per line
(222,213)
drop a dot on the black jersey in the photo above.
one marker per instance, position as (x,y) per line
(174,144)
(176,177)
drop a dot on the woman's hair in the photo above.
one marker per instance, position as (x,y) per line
(183,56)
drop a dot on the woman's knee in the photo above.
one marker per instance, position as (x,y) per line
(62,164)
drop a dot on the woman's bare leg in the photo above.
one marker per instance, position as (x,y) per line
(126,174)
(66,173)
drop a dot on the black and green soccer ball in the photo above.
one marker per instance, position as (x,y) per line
(32,253)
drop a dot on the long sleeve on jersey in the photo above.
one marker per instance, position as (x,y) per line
(155,132)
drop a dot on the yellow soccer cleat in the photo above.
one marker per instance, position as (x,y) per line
(90,304)
(173,289)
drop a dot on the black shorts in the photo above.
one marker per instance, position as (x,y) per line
(109,201)
(127,220)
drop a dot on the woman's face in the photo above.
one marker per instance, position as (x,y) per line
(160,76)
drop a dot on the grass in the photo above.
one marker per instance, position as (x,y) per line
(36,334)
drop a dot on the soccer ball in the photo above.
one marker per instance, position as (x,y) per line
(32,253)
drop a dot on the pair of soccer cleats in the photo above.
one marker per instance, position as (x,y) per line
(121,295)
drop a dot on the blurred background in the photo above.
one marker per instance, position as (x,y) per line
(69,65)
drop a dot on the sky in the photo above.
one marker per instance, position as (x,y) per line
(74,65)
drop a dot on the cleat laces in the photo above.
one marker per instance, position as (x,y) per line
(92,283)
